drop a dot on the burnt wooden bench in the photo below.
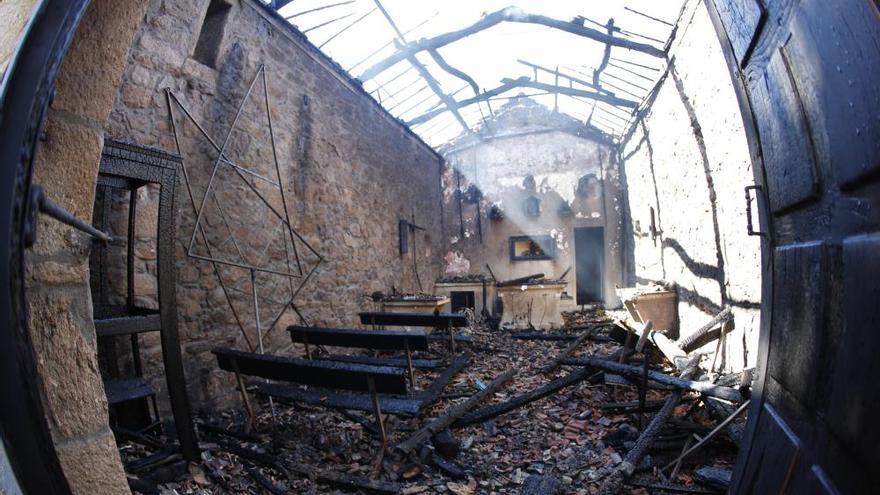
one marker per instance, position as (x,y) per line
(363,383)
(447,321)
(388,340)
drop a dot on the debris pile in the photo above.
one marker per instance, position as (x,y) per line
(595,407)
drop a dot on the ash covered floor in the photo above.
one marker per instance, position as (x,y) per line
(570,441)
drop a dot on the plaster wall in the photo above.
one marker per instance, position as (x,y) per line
(688,160)
(540,146)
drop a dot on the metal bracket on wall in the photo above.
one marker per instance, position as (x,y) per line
(749,224)
(38,201)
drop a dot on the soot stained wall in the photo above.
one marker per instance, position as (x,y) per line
(572,166)
(688,160)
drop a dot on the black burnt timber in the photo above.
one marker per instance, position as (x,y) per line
(454,412)
(567,352)
(127,325)
(336,400)
(465,339)
(635,372)
(631,406)
(702,335)
(509,14)
(613,484)
(432,393)
(127,389)
(392,340)
(140,164)
(552,387)
(519,280)
(393,362)
(329,374)
(440,320)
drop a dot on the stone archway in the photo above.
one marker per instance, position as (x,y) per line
(59,301)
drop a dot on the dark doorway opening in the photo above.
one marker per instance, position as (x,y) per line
(589,252)
(460,300)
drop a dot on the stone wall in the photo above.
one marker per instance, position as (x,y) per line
(59,306)
(688,161)
(575,180)
(350,170)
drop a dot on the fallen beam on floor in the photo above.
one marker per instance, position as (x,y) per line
(453,413)
(554,386)
(705,388)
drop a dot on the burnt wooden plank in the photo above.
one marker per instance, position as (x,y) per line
(432,393)
(128,325)
(336,400)
(786,138)
(330,374)
(833,51)
(126,389)
(395,340)
(394,362)
(441,320)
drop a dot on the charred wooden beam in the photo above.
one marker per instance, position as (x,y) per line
(552,387)
(509,14)
(423,71)
(441,320)
(567,352)
(519,280)
(525,82)
(453,413)
(443,64)
(706,388)
(699,338)
(328,374)
(396,340)
(432,393)
(614,482)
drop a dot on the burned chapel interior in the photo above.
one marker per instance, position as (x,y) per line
(455,247)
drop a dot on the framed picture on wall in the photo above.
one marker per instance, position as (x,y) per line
(532,247)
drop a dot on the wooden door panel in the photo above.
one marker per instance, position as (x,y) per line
(742,19)
(786,141)
(834,53)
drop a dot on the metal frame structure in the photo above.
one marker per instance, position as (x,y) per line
(290,234)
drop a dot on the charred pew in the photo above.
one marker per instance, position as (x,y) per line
(449,321)
(390,340)
(328,377)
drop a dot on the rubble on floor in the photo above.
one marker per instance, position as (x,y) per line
(574,439)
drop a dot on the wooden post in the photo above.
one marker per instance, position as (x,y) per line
(243,391)
(308,349)
(377,411)
(409,365)
(451,338)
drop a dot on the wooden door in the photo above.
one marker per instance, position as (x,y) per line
(808,76)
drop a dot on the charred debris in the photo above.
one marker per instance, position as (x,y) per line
(602,405)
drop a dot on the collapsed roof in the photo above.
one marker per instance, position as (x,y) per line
(443,68)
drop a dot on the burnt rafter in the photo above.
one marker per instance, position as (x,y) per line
(525,82)
(443,64)
(509,14)
(401,43)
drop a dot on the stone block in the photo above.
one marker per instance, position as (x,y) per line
(64,344)
(92,465)
(93,66)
